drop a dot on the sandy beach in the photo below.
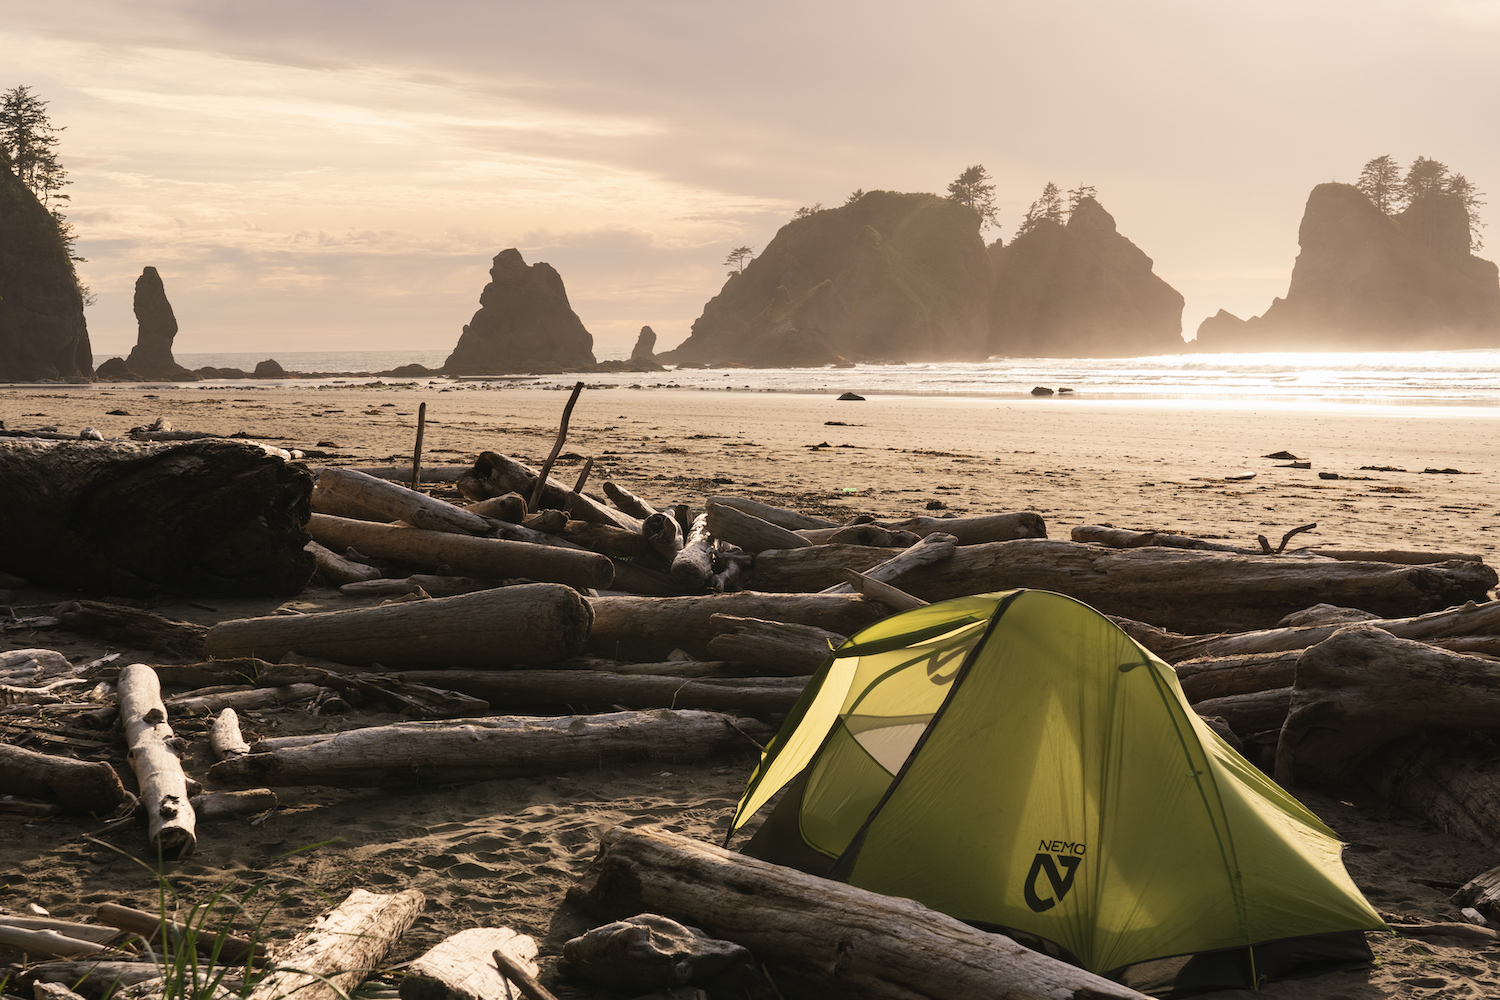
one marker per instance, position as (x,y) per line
(504,852)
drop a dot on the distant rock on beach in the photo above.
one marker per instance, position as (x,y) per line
(1368,281)
(524,323)
(156,328)
(887,276)
(1080,290)
(43,334)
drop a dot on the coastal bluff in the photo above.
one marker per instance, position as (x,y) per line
(1080,289)
(43,334)
(524,323)
(1368,281)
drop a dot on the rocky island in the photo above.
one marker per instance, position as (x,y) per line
(524,323)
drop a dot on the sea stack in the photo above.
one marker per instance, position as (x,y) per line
(156,328)
(645,346)
(524,323)
(42,330)
(1080,289)
(887,276)
(1368,281)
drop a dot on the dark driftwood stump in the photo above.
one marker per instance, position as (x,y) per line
(201,517)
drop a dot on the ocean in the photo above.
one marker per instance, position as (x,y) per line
(1426,378)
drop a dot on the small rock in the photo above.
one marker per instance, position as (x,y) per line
(1283,456)
(1064,391)
(852,395)
(1041,390)
(936,505)
(329,444)
(117,413)
(90,434)
(269,368)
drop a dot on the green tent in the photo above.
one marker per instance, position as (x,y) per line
(1017,761)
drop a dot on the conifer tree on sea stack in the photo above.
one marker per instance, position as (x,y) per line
(973,189)
(1380,180)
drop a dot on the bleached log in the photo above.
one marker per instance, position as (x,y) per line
(402,473)
(789,519)
(394,502)
(462,967)
(491,748)
(44,943)
(693,565)
(1405,556)
(1325,614)
(532,623)
(501,474)
(819,937)
(647,628)
(934,548)
(333,956)
(225,737)
(627,501)
(233,805)
(26,666)
(87,786)
(95,977)
(892,597)
(748,531)
(337,571)
(429,584)
(1125,538)
(633,578)
(465,554)
(973,530)
(778,647)
(1363,687)
(664,534)
(243,698)
(170,823)
(510,690)
(510,508)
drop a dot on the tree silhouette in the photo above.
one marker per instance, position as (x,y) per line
(738,258)
(974,190)
(1380,180)
(28,137)
(1048,208)
(1076,196)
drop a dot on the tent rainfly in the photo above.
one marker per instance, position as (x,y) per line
(1017,761)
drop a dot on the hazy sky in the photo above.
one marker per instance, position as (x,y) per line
(337,175)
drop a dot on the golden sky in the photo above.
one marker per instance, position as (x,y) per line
(337,175)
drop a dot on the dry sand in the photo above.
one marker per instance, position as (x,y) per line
(505,851)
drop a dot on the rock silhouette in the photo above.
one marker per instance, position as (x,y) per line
(156,328)
(645,346)
(43,334)
(1368,281)
(524,323)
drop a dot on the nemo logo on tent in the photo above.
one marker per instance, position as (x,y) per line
(1067,854)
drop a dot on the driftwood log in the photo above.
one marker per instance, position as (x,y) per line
(230,947)
(86,786)
(134,627)
(485,749)
(336,570)
(933,549)
(464,554)
(1362,688)
(663,534)
(693,565)
(394,502)
(751,533)
(892,597)
(507,690)
(427,583)
(203,518)
(788,519)
(462,967)
(1224,676)
(1125,538)
(170,823)
(972,530)
(821,938)
(333,956)
(1441,781)
(606,538)
(777,647)
(650,628)
(497,475)
(532,623)
(627,501)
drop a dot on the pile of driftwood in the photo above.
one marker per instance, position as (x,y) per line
(540,629)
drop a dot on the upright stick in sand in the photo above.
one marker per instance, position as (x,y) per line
(416,455)
(562,435)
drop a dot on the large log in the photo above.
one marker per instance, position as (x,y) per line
(789,519)
(748,531)
(607,538)
(1249,713)
(778,647)
(531,623)
(465,554)
(500,474)
(1435,779)
(338,571)
(170,823)
(1362,688)
(203,518)
(808,569)
(934,548)
(627,501)
(394,502)
(650,628)
(1224,676)
(485,749)
(693,565)
(342,947)
(972,530)
(87,786)
(1194,591)
(820,938)
(134,627)
(462,967)
(509,690)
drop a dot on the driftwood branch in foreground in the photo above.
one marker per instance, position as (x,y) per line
(333,956)
(88,786)
(462,967)
(170,823)
(819,937)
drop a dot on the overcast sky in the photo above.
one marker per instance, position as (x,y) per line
(337,175)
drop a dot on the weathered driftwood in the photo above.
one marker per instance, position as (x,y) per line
(1363,687)
(464,554)
(664,534)
(29,665)
(1249,713)
(225,738)
(204,518)
(243,698)
(44,943)
(1435,779)
(484,749)
(1468,619)
(646,628)
(233,805)
(462,967)
(892,597)
(633,578)
(497,474)
(88,786)
(562,435)
(1188,590)
(337,571)
(778,647)
(427,583)
(867,533)
(751,533)
(1482,892)
(627,501)
(663,668)
(510,508)
(729,571)
(1398,556)
(394,502)
(516,972)
(344,505)
(789,519)
(402,473)
(333,956)
(68,928)
(533,623)
(230,947)
(693,565)
(972,530)
(170,823)
(823,938)
(934,548)
(1325,614)
(133,627)
(606,538)
(94,977)
(811,568)
(508,690)
(1126,538)
(1222,676)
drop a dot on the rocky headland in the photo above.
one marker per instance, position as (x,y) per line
(1080,289)
(1368,281)
(524,323)
(43,334)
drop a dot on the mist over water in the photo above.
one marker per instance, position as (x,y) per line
(1465,378)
